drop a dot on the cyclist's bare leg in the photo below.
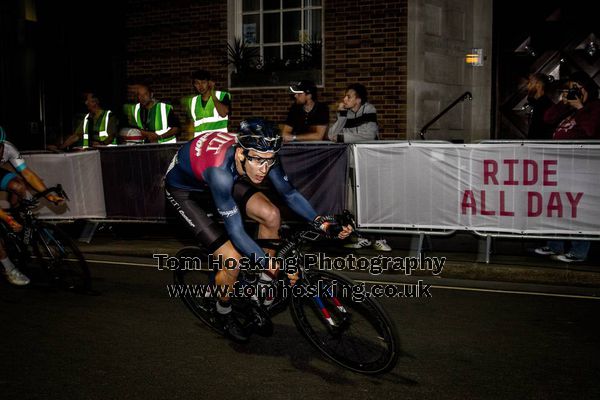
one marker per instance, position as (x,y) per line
(3,254)
(227,276)
(17,190)
(262,210)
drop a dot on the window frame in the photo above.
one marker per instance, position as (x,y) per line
(235,30)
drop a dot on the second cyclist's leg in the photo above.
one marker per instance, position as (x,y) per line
(17,189)
(11,183)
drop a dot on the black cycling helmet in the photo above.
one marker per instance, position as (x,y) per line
(260,135)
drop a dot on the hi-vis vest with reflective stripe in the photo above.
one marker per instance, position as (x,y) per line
(157,120)
(207,119)
(102,129)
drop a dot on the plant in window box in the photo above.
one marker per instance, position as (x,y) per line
(243,57)
(312,53)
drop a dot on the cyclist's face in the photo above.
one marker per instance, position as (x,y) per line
(258,165)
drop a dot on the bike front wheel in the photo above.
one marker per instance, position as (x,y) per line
(358,335)
(194,280)
(192,272)
(61,259)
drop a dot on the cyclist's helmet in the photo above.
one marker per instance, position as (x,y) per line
(259,135)
(2,135)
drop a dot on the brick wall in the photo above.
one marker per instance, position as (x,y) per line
(364,41)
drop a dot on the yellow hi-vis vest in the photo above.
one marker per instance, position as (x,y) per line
(207,119)
(102,129)
(157,120)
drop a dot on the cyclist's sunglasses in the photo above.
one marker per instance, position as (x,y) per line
(262,161)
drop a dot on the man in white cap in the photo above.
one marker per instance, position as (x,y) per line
(307,119)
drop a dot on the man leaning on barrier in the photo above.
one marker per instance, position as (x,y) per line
(307,118)
(98,127)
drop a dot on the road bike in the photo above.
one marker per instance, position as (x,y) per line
(355,333)
(43,251)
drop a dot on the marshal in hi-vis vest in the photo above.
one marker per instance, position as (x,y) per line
(157,120)
(207,119)
(101,127)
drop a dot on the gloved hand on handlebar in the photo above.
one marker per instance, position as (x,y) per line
(332,226)
(55,199)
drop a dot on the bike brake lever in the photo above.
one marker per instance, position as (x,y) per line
(61,192)
(346,218)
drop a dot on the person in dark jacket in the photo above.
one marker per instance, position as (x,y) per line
(578,117)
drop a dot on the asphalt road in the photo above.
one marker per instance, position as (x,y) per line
(133,342)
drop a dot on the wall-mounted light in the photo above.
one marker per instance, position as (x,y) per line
(475,58)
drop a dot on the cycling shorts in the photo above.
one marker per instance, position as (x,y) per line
(194,208)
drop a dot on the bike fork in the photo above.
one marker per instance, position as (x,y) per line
(326,315)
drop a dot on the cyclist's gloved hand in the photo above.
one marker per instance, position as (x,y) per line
(55,199)
(332,226)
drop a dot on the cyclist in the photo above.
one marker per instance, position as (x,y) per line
(229,168)
(14,182)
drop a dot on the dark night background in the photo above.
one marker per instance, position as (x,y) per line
(51,51)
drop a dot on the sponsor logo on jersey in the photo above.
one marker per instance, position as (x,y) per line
(229,213)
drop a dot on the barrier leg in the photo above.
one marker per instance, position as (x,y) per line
(416,245)
(484,249)
(87,233)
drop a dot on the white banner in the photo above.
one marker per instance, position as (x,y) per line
(81,177)
(519,188)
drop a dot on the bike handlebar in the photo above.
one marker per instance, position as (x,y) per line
(58,190)
(29,203)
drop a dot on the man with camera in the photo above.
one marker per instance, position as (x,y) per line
(578,111)
(578,117)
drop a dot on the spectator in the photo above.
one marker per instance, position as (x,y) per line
(357,121)
(539,103)
(307,119)
(578,110)
(578,114)
(209,110)
(356,117)
(98,127)
(156,120)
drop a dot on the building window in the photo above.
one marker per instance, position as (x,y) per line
(275,42)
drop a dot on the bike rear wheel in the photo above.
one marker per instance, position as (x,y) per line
(358,335)
(61,259)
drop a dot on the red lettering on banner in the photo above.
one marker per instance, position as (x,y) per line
(490,169)
(503,211)
(511,172)
(534,204)
(483,210)
(523,173)
(547,172)
(574,202)
(468,201)
(534,172)
(554,203)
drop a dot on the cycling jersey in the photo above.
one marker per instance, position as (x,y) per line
(208,162)
(11,155)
